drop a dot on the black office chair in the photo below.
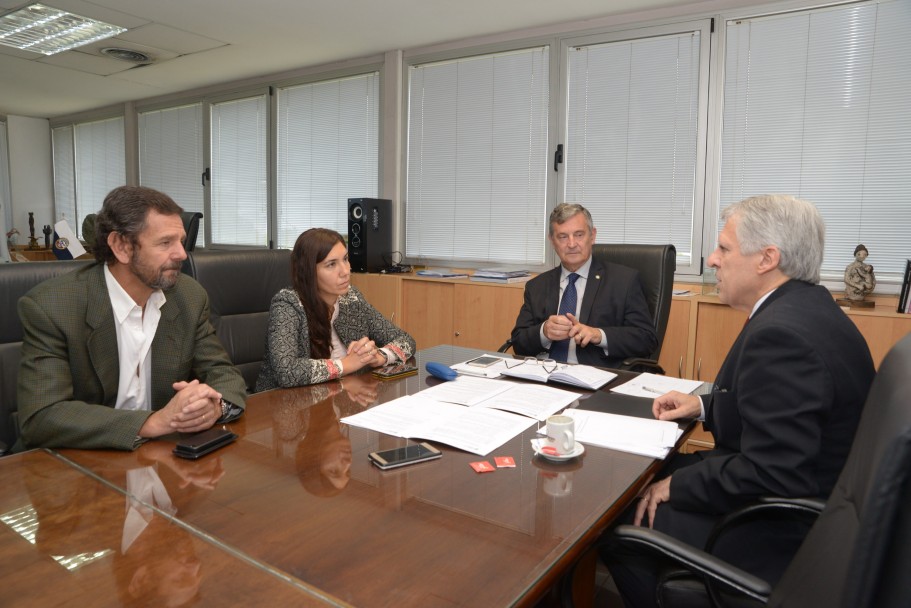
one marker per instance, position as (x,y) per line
(191,227)
(858,551)
(656,265)
(240,284)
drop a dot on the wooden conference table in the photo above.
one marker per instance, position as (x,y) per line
(257,523)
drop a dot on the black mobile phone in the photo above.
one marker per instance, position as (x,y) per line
(195,445)
(410,454)
(485,361)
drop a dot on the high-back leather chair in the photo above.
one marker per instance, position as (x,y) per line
(15,281)
(858,551)
(656,265)
(240,284)
(191,227)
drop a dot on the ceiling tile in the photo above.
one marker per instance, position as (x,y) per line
(83,62)
(165,37)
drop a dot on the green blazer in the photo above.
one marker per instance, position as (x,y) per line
(69,372)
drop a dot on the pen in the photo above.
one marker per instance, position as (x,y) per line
(653,390)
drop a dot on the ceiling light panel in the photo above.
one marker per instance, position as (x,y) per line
(46,30)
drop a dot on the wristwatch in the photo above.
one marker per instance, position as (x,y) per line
(225,408)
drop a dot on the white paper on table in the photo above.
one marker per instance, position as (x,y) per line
(532,400)
(476,430)
(643,436)
(467,391)
(654,385)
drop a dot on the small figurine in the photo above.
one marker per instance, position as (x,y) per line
(32,241)
(47,236)
(859,279)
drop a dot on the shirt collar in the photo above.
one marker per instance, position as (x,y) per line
(121,302)
(759,302)
(582,271)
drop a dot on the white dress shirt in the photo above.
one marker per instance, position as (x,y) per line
(135,332)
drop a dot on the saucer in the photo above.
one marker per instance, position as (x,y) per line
(578,450)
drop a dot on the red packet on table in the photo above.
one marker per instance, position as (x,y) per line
(504,462)
(482,466)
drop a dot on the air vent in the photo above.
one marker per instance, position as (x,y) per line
(126,55)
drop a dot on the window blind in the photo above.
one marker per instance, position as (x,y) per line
(477,158)
(171,156)
(4,180)
(632,112)
(65,174)
(100,166)
(239,191)
(816,105)
(328,146)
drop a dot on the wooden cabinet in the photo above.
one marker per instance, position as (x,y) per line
(674,358)
(882,329)
(384,292)
(459,313)
(717,326)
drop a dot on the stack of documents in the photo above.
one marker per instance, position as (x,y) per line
(471,414)
(653,385)
(642,436)
(441,273)
(500,275)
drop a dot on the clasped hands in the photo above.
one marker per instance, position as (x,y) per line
(561,327)
(670,406)
(194,407)
(363,353)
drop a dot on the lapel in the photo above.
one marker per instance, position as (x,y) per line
(166,352)
(596,277)
(552,291)
(102,334)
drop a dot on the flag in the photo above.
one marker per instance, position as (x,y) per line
(66,246)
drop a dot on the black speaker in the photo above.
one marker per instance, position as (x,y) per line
(369,234)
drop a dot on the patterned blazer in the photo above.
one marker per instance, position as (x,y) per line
(288,362)
(69,372)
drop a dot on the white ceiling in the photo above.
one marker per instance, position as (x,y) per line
(205,42)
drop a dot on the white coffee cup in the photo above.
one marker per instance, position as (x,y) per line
(561,434)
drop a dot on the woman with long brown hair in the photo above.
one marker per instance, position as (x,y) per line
(323,328)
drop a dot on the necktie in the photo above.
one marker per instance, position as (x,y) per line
(559,350)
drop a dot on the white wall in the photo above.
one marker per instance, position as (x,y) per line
(31,174)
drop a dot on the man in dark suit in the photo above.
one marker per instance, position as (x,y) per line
(123,351)
(787,399)
(583,311)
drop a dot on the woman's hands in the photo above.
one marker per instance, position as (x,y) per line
(363,353)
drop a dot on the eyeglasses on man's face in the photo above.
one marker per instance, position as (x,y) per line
(550,366)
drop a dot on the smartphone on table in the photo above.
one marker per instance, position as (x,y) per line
(485,361)
(399,457)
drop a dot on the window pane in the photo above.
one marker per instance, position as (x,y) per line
(170,156)
(477,158)
(4,181)
(327,153)
(632,114)
(239,189)
(816,106)
(65,176)
(100,165)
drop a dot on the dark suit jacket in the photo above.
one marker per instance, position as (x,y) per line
(69,371)
(613,301)
(785,405)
